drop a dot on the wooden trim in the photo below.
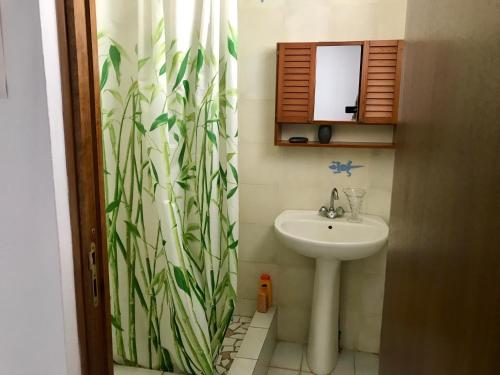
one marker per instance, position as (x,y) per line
(72,180)
(337,144)
(80,88)
(397,84)
(364,78)
(312,82)
(352,43)
(276,98)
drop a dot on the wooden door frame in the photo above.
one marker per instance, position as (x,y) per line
(77,36)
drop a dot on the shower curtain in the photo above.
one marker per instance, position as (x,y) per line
(169,122)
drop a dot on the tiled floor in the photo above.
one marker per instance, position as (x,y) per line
(232,343)
(290,359)
(230,346)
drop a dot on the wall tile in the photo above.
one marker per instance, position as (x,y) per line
(293,323)
(351,285)
(257,243)
(256,121)
(382,168)
(372,294)
(249,276)
(258,204)
(287,257)
(349,327)
(301,198)
(376,263)
(294,286)
(369,333)
(298,21)
(261,26)
(246,306)
(378,202)
(257,77)
(301,167)
(259,163)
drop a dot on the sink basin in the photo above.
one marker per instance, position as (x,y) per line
(329,241)
(318,237)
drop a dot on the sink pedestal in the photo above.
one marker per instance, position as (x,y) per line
(323,349)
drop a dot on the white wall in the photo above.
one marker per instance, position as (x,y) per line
(273,179)
(32,328)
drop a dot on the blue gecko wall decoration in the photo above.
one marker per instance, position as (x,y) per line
(338,167)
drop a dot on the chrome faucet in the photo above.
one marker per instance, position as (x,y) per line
(332,212)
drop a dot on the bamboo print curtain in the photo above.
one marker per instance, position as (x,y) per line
(168,92)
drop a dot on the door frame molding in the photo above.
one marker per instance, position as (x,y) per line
(77,35)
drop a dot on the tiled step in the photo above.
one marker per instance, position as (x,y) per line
(257,348)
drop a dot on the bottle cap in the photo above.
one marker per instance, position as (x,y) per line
(265,276)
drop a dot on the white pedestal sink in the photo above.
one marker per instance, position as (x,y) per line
(330,242)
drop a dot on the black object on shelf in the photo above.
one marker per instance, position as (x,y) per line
(324,134)
(351,109)
(298,140)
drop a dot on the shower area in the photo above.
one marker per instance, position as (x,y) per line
(168,85)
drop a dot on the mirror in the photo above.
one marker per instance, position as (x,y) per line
(338,70)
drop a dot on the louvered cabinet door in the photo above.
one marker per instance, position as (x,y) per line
(295,82)
(381,73)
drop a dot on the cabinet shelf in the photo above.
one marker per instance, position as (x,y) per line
(284,143)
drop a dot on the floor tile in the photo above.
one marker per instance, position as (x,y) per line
(281,371)
(366,363)
(243,366)
(252,344)
(287,355)
(345,364)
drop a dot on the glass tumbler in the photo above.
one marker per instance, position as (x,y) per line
(355,197)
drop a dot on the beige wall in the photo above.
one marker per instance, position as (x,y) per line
(274,179)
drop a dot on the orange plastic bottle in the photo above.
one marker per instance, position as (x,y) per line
(265,281)
(262,305)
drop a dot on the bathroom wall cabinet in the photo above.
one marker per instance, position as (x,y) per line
(338,83)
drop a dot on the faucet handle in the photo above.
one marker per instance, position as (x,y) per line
(335,194)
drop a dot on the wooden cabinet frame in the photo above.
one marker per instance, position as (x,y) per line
(378,93)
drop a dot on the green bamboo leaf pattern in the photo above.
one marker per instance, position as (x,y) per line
(112,206)
(231,45)
(163,69)
(115,56)
(160,120)
(104,73)
(181,280)
(143,62)
(171,187)
(199,61)
(182,70)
